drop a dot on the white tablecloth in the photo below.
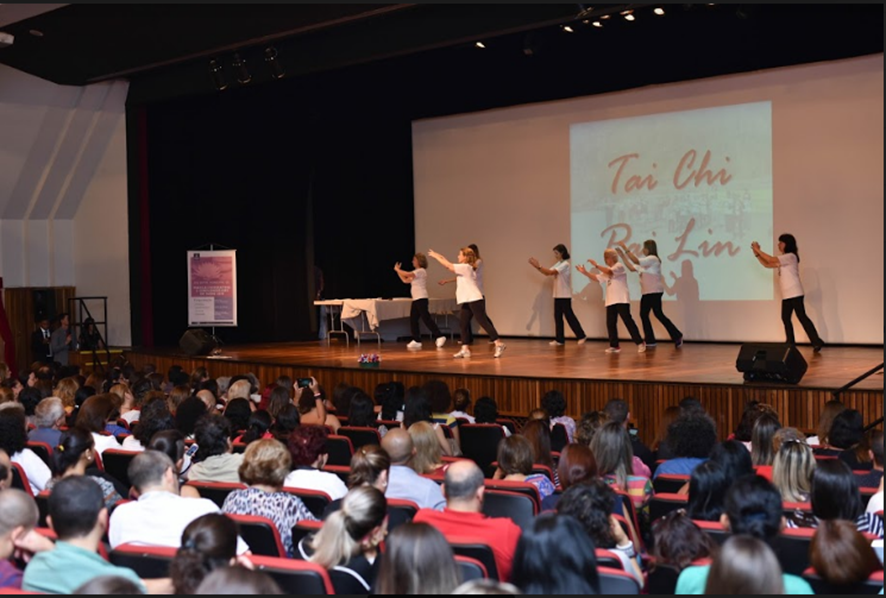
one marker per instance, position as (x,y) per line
(379,310)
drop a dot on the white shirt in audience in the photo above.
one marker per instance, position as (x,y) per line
(158,518)
(131,416)
(37,471)
(314,479)
(875,505)
(131,443)
(103,443)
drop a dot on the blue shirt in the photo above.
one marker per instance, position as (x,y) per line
(67,567)
(679,466)
(405,484)
(52,437)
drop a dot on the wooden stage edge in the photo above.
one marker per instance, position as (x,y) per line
(586,375)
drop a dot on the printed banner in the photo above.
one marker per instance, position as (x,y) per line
(212,288)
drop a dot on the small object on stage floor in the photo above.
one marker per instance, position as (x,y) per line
(369,360)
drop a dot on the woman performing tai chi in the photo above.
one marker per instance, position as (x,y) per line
(651,289)
(562,274)
(618,299)
(418,283)
(468,295)
(788,264)
(478,270)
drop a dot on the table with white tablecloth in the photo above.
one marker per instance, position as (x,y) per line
(388,317)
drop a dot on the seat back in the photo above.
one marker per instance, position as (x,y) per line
(664,503)
(400,511)
(301,530)
(872,585)
(295,576)
(339,449)
(559,437)
(470,569)
(360,436)
(42,450)
(480,442)
(261,534)
(792,549)
(315,500)
(668,483)
(117,464)
(149,562)
(662,580)
(519,508)
(524,488)
(714,529)
(508,423)
(217,492)
(342,471)
(607,558)
(477,551)
(616,581)
(20,479)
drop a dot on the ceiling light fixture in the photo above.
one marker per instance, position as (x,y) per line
(480,45)
(659,11)
(568,29)
(271,58)
(243,76)
(597,24)
(628,15)
(217,74)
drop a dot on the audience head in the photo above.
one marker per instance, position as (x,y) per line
(486,587)
(237,412)
(18,516)
(66,390)
(668,417)
(707,491)
(734,458)
(693,436)
(485,410)
(29,398)
(555,556)
(307,445)
(577,465)
(612,450)
(240,389)
(172,444)
(792,471)
(826,420)
(463,485)
(417,560)
(153,470)
(266,462)
(538,434)
(428,454)
(617,411)
(257,426)
(399,446)
(679,542)
(835,493)
(392,402)
(590,424)
(13,429)
(154,417)
(358,526)
(847,429)
(77,509)
(439,395)
(109,585)
(239,581)
(178,395)
(877,448)
(418,406)
(280,398)
(591,504)
(761,439)
(287,420)
(207,543)
(754,508)
(461,399)
(97,411)
(691,406)
(539,413)
(213,435)
(752,411)
(554,403)
(745,566)
(187,414)
(841,555)
(50,413)
(515,455)
(75,444)
(362,410)
(370,466)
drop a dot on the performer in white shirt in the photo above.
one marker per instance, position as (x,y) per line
(469,296)
(418,283)
(478,270)
(788,264)
(562,273)
(651,289)
(618,299)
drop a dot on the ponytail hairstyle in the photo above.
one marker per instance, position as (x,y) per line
(345,532)
(367,464)
(651,248)
(259,423)
(790,244)
(470,257)
(71,446)
(561,249)
(208,543)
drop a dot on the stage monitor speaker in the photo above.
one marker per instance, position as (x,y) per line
(771,362)
(197,341)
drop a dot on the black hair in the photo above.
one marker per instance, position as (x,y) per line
(790,244)
(846,431)
(554,403)
(71,446)
(561,249)
(287,420)
(170,442)
(734,458)
(237,412)
(692,435)
(211,385)
(835,493)
(754,507)
(439,395)
(207,543)
(393,400)
(258,424)
(707,491)
(362,410)
(212,434)
(591,503)
(13,434)
(83,393)
(187,414)
(691,405)
(30,397)
(342,400)
(555,556)
(177,376)
(154,417)
(617,410)
(418,406)
(74,505)
(461,399)
(485,410)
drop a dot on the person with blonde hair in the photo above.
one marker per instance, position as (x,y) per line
(265,466)
(470,297)
(347,544)
(618,299)
(66,390)
(418,286)
(428,456)
(792,471)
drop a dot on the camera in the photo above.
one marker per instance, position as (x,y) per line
(304,382)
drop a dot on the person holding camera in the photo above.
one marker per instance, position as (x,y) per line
(311,406)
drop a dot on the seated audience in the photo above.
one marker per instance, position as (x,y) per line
(257,427)
(486,412)
(463,517)
(612,450)
(418,409)
(208,543)
(237,413)
(707,492)
(94,416)
(554,403)
(78,516)
(178,395)
(842,556)
(160,514)
(515,460)
(49,416)
(745,566)
(312,409)
(215,460)
(539,436)
(441,400)
(307,446)
(73,455)
(428,457)
(576,466)
(752,412)
(792,471)
(873,477)
(362,412)
(172,444)
(392,402)
(155,417)
(678,541)
(238,581)
(762,453)
(733,457)
(287,420)
(825,421)
(555,556)
(461,402)
(417,560)
(588,426)
(347,544)
(280,397)
(846,440)
(403,482)
(18,518)
(187,413)
(691,438)
(13,440)
(266,464)
(617,411)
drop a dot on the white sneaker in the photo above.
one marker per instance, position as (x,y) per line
(413,345)
(491,342)
(582,341)
(441,340)
(499,349)
(556,344)
(613,350)
(465,352)
(641,348)
(651,345)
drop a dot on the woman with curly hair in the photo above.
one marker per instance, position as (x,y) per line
(691,437)
(555,404)
(155,417)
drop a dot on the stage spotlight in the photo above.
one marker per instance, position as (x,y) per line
(243,76)
(568,29)
(604,17)
(597,24)
(271,59)
(480,45)
(218,77)
(628,15)
(659,11)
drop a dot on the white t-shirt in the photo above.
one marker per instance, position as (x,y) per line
(37,471)
(133,444)
(131,416)
(650,275)
(314,479)
(562,281)
(419,285)
(479,272)
(466,289)
(789,276)
(103,443)
(616,285)
(875,504)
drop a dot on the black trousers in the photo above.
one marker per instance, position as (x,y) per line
(652,302)
(563,308)
(466,310)
(795,304)
(419,311)
(475,309)
(612,314)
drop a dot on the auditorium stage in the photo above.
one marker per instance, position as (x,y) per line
(585,374)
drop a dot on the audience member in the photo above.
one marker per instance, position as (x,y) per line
(237,413)
(72,456)
(418,409)
(762,453)
(555,404)
(539,436)
(576,466)
(178,395)
(588,426)
(172,444)
(94,416)
(842,556)
(428,456)
(307,446)
(208,543)
(617,411)
(825,421)
(109,585)
(707,492)
(154,417)
(18,518)
(215,460)
(238,581)
(13,440)
(872,478)
(461,402)
(49,416)
(486,412)
(417,560)
(660,448)
(287,420)
(612,450)
(280,398)
(745,566)
(678,542)
(312,409)
(403,482)
(792,471)
(691,438)
(515,460)
(258,427)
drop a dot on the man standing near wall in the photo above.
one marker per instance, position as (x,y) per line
(60,341)
(40,350)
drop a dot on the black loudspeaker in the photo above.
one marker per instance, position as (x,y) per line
(197,341)
(771,362)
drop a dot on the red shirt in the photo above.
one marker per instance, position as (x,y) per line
(500,533)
